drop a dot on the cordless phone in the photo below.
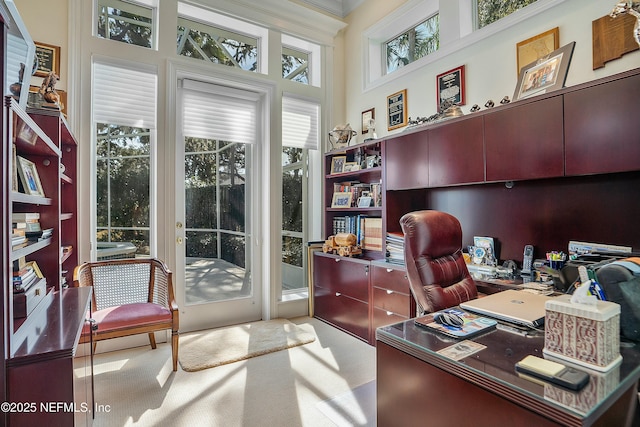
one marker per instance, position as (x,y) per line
(527,261)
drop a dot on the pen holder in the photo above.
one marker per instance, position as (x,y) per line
(556,264)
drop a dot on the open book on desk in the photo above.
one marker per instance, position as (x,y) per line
(472,324)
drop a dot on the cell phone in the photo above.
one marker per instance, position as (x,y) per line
(553,372)
(527,260)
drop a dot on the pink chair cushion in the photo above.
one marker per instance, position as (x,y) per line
(130,315)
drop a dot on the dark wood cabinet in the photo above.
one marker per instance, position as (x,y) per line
(525,141)
(341,292)
(602,127)
(391,299)
(456,153)
(406,161)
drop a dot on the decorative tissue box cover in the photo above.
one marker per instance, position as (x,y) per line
(588,335)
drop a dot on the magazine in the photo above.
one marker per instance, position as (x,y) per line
(472,324)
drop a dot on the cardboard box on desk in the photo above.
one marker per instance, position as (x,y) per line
(587,335)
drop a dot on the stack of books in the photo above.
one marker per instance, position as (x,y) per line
(25,224)
(395,247)
(24,278)
(372,234)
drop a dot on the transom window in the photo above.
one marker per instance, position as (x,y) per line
(217,45)
(489,11)
(125,22)
(414,44)
(295,65)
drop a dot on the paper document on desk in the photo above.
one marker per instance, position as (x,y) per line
(461,350)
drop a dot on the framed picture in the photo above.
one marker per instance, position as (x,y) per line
(351,167)
(337,164)
(367,116)
(365,201)
(48,59)
(397,110)
(24,133)
(547,74)
(450,87)
(534,48)
(29,177)
(341,200)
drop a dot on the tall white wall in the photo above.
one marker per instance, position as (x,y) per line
(490,64)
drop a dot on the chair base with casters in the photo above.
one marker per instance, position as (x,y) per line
(130,297)
(438,275)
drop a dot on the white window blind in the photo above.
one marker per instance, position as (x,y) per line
(220,113)
(124,96)
(300,122)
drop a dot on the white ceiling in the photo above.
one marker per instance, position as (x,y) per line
(340,8)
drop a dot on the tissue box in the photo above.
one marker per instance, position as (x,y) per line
(587,335)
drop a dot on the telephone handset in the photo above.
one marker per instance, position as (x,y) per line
(527,260)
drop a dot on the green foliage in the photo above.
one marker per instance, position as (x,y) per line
(130,28)
(414,44)
(490,11)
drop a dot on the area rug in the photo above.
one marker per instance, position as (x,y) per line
(207,349)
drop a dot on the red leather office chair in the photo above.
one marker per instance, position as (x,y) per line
(438,275)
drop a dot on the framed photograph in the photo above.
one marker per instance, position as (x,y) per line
(337,164)
(24,133)
(365,201)
(397,110)
(29,177)
(351,167)
(35,268)
(534,48)
(341,200)
(373,161)
(367,116)
(450,87)
(547,74)
(48,59)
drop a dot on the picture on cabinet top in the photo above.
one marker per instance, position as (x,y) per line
(547,74)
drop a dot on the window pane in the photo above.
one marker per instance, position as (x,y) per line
(217,45)
(292,251)
(414,44)
(232,188)
(492,10)
(233,249)
(295,65)
(202,244)
(292,200)
(123,185)
(125,22)
(200,190)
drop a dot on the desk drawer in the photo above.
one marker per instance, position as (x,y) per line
(393,278)
(342,311)
(342,275)
(388,300)
(384,318)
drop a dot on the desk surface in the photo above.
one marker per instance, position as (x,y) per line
(493,369)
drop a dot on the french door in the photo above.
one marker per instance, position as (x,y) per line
(216,203)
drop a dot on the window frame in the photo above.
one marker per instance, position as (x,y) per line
(152,5)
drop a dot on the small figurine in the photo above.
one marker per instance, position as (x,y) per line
(48,88)
(16,88)
(505,100)
(475,108)
(489,104)
(632,8)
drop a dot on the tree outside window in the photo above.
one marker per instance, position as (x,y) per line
(414,44)
(489,11)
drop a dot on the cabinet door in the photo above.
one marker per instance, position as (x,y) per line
(406,161)
(456,153)
(525,141)
(342,275)
(602,128)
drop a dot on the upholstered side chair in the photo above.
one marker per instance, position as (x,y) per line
(438,275)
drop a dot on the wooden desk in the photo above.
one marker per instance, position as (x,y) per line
(418,387)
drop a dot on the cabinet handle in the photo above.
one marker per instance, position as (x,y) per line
(337,259)
(389,270)
(389,292)
(389,313)
(366,270)
(338,294)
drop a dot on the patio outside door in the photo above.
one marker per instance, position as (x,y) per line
(215,261)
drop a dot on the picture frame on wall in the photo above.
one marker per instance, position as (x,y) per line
(367,116)
(536,47)
(397,110)
(29,177)
(48,57)
(545,75)
(450,87)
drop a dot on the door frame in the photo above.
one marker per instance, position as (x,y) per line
(193,317)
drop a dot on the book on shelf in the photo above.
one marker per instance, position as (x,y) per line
(372,234)
(25,216)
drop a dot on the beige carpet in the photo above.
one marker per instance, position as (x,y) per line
(207,349)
